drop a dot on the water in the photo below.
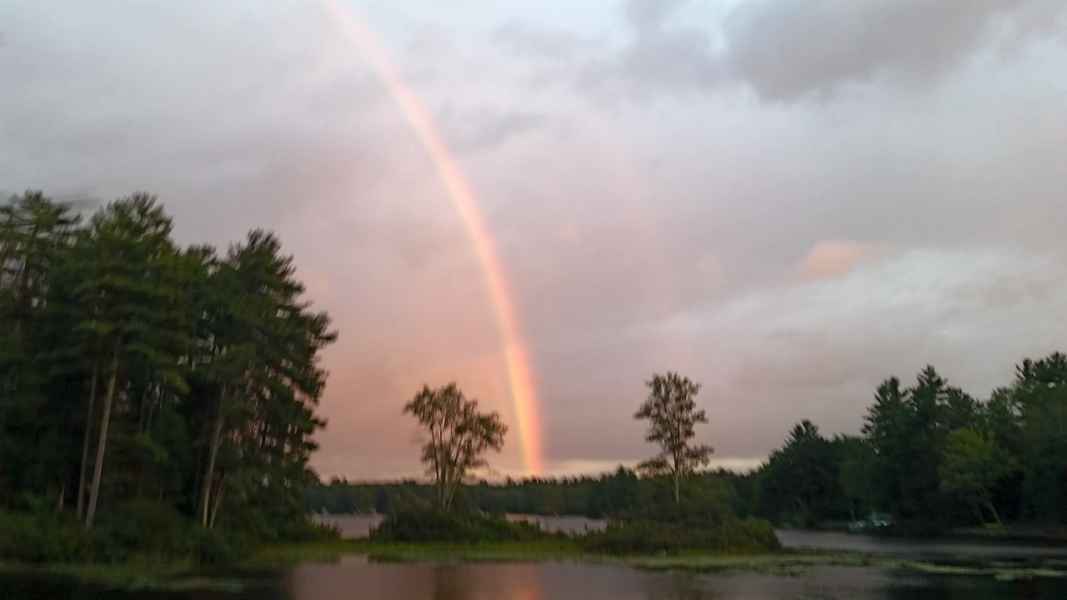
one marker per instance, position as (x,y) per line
(916,548)
(355,578)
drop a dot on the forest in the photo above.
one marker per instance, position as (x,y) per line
(929,454)
(146,386)
(149,387)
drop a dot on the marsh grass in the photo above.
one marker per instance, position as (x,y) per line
(272,559)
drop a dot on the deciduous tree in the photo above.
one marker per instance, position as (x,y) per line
(672,414)
(459,436)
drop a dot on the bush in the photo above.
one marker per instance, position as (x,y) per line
(436,526)
(140,530)
(146,529)
(42,537)
(647,536)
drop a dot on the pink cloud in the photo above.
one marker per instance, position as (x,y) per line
(833,258)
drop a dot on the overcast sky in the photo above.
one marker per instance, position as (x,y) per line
(786,200)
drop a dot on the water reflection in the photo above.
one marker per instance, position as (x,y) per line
(354,578)
(828,540)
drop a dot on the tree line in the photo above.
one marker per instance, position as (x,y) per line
(135,371)
(458,436)
(929,454)
(932,454)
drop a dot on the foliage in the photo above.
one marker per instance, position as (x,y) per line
(729,535)
(40,537)
(616,494)
(133,369)
(672,415)
(971,466)
(459,436)
(441,526)
(933,456)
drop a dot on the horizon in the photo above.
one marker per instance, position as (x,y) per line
(634,187)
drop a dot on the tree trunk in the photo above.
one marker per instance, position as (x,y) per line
(101,444)
(213,453)
(85,441)
(993,509)
(62,496)
(218,502)
(677,489)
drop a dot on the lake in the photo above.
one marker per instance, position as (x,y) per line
(916,548)
(354,577)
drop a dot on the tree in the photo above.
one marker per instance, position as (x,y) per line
(459,436)
(125,300)
(672,415)
(35,241)
(907,429)
(800,479)
(262,367)
(970,466)
(1040,395)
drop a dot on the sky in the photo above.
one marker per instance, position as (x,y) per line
(787,201)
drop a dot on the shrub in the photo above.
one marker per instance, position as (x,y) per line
(435,526)
(41,537)
(145,528)
(655,536)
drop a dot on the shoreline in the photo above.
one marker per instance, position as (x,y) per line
(178,576)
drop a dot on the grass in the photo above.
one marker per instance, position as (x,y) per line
(183,576)
(283,555)
(134,575)
(774,563)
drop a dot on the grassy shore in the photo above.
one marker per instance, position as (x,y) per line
(786,562)
(178,576)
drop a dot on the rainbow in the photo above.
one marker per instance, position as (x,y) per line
(520,378)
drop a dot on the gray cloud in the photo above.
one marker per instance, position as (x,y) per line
(791,48)
(645,15)
(483,128)
(785,50)
(788,254)
(523,39)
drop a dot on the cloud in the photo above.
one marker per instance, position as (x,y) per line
(645,15)
(542,43)
(785,49)
(484,128)
(787,253)
(832,258)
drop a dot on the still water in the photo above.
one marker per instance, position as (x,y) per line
(355,577)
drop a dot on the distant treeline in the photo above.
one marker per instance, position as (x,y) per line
(930,454)
(617,493)
(142,379)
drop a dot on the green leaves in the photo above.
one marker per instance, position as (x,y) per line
(672,415)
(459,435)
(181,326)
